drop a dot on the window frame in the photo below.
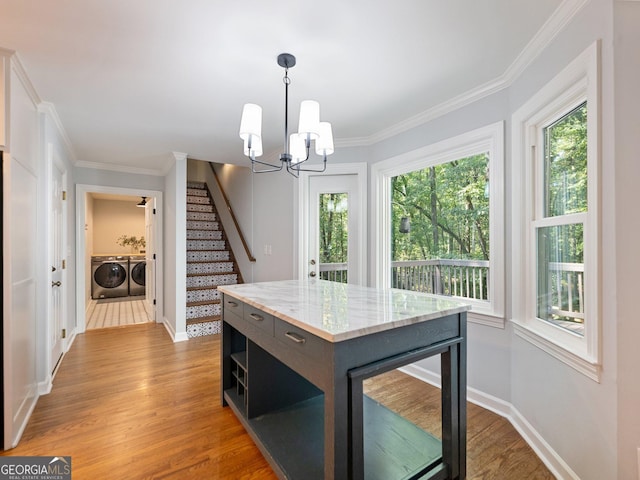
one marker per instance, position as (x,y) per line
(485,139)
(575,84)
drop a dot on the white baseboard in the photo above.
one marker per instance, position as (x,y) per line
(176,337)
(549,457)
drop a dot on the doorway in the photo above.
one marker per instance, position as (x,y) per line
(332,217)
(121,246)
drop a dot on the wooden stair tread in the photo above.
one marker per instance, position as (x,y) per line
(195,289)
(209,261)
(204,302)
(213,318)
(207,274)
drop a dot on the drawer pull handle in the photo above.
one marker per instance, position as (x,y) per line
(256,317)
(233,304)
(295,337)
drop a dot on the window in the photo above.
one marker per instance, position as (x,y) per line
(439,214)
(555,232)
(440,229)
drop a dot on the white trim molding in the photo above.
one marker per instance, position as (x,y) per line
(575,84)
(360,171)
(485,139)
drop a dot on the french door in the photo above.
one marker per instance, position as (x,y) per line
(334,247)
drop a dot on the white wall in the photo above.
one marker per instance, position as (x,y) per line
(36,143)
(623,234)
(175,249)
(21,203)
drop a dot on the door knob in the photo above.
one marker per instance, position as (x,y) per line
(56,284)
(312,273)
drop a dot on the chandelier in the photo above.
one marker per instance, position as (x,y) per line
(297,146)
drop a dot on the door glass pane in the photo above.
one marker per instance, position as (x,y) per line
(333,236)
(565,164)
(560,276)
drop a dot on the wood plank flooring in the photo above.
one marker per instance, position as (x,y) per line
(128,403)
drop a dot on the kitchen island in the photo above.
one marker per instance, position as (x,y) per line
(294,357)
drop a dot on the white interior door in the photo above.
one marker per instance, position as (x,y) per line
(334,244)
(150,271)
(57,266)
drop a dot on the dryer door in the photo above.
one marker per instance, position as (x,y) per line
(110,275)
(138,273)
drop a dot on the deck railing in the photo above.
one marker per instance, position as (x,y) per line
(458,278)
(335,272)
(566,286)
(470,279)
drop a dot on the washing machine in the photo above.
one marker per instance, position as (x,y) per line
(137,271)
(109,277)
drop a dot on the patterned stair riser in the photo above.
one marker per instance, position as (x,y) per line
(218,267)
(198,200)
(199,225)
(206,245)
(212,280)
(200,311)
(204,235)
(192,207)
(208,295)
(196,192)
(208,256)
(203,216)
(205,328)
(198,185)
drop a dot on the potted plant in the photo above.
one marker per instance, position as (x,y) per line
(134,242)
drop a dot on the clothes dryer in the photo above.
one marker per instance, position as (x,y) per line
(137,275)
(109,277)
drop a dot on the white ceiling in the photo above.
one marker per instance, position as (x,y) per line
(133,80)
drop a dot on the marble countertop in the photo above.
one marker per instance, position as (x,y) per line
(337,311)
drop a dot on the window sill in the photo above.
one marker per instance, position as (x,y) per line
(578,362)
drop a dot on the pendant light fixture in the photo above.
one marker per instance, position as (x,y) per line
(297,146)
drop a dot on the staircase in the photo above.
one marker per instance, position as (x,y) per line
(210,263)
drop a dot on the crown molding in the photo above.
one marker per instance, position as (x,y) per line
(560,18)
(565,12)
(121,168)
(21,73)
(49,109)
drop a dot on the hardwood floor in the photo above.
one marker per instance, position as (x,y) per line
(128,403)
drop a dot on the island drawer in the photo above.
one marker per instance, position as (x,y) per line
(231,305)
(299,340)
(258,318)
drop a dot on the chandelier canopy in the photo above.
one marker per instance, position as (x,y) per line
(297,146)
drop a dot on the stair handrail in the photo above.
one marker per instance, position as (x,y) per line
(233,215)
